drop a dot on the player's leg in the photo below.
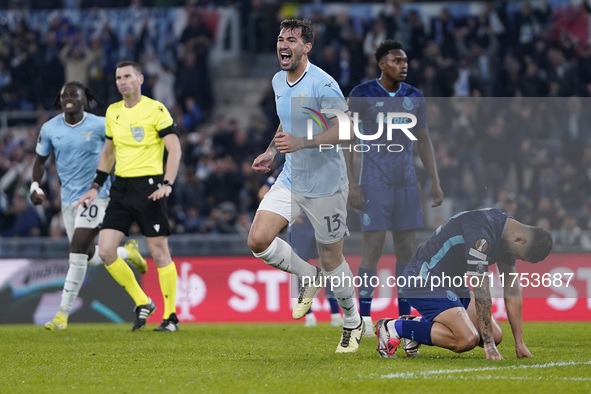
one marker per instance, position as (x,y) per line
(82,226)
(404,245)
(497,330)
(445,323)
(152,218)
(81,244)
(328,216)
(277,209)
(301,239)
(373,243)
(375,220)
(339,275)
(109,239)
(336,320)
(167,276)
(130,252)
(406,217)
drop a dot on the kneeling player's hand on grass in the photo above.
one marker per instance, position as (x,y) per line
(522,351)
(492,353)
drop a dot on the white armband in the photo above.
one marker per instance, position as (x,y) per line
(35,188)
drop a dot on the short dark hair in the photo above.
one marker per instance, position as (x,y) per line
(387,46)
(126,63)
(305,24)
(540,245)
(88,93)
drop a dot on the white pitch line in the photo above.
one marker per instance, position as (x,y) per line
(426,374)
(491,377)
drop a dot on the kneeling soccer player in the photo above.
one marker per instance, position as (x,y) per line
(453,318)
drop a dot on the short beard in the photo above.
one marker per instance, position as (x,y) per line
(295,65)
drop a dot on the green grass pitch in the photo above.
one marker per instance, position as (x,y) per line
(274,358)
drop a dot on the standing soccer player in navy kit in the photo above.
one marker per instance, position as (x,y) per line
(453,318)
(387,193)
(312,181)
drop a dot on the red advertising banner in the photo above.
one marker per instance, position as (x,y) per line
(244,289)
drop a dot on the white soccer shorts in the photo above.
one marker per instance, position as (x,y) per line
(91,217)
(328,215)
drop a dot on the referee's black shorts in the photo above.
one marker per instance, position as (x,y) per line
(129,202)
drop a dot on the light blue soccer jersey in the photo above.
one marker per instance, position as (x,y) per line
(77,151)
(309,172)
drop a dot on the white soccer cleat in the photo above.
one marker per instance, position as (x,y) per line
(350,339)
(310,320)
(387,342)
(411,347)
(336,320)
(306,295)
(369,327)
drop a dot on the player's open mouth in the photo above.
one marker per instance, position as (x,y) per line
(69,105)
(285,58)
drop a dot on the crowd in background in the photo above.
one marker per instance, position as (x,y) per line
(529,156)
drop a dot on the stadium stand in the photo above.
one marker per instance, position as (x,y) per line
(531,156)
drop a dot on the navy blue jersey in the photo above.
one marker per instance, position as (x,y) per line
(385,168)
(467,243)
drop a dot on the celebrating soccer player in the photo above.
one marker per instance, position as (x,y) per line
(311,181)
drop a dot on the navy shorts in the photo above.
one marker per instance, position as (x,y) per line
(431,303)
(389,208)
(129,202)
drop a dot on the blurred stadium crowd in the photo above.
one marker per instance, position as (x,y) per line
(509,124)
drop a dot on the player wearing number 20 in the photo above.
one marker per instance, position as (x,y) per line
(77,138)
(453,317)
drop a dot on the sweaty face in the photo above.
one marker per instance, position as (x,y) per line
(395,65)
(291,48)
(128,81)
(72,99)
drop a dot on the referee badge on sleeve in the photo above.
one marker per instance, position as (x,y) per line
(137,133)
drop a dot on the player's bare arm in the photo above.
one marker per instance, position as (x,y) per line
(105,165)
(425,147)
(355,197)
(287,143)
(173,147)
(514,307)
(483,304)
(37,195)
(262,163)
